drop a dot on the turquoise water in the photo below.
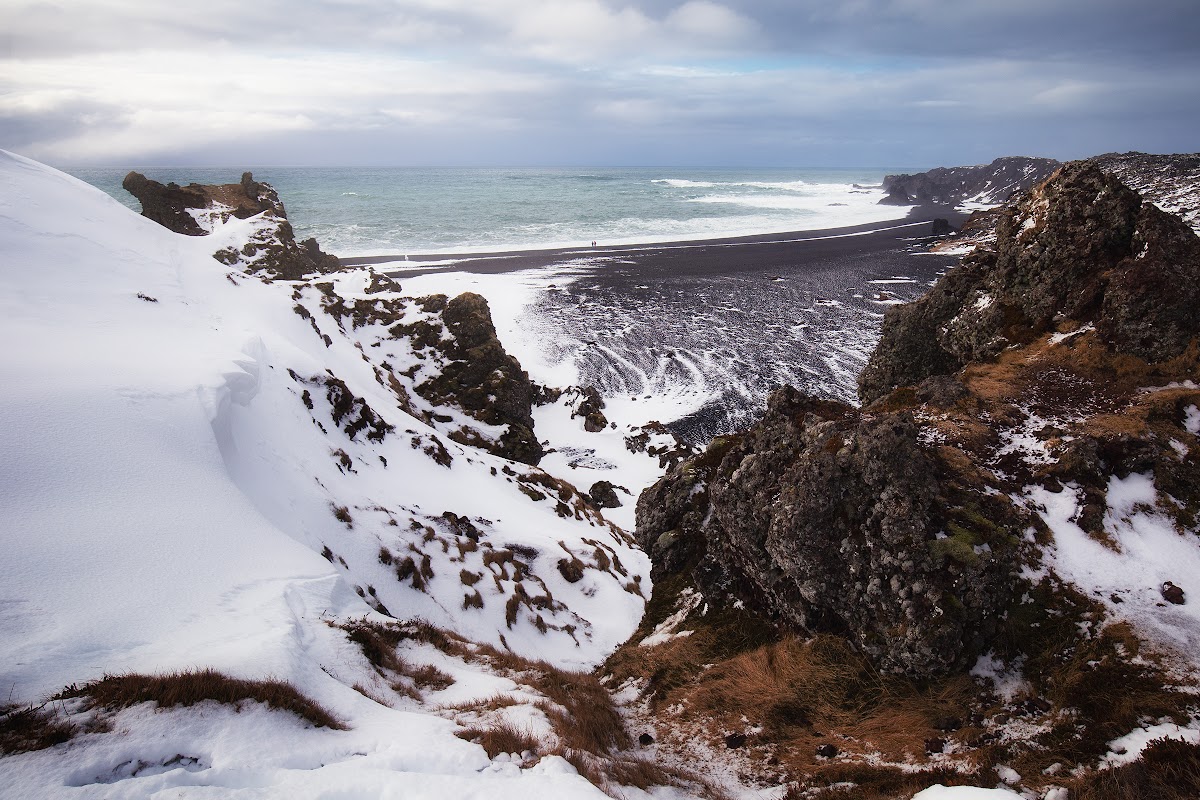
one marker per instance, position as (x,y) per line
(368,211)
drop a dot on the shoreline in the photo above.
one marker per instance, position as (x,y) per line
(736,254)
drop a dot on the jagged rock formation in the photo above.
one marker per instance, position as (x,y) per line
(480,377)
(829,520)
(895,525)
(1082,247)
(1171,182)
(195,209)
(986,183)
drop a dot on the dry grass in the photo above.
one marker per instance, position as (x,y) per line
(27,728)
(588,730)
(1167,770)
(803,691)
(379,642)
(189,687)
(872,782)
(504,737)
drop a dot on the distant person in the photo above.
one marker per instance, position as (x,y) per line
(593,242)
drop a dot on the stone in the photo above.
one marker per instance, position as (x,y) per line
(604,495)
(482,378)
(1173,594)
(826,520)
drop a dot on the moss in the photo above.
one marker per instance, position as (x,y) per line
(959,547)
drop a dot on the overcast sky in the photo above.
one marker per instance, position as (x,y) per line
(595,82)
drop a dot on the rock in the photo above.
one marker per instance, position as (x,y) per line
(645,740)
(987,183)
(571,570)
(589,408)
(933,746)
(1171,182)
(941,227)
(735,740)
(604,495)
(483,379)
(1083,247)
(1173,594)
(827,520)
(196,209)
(827,751)
(168,205)
(947,724)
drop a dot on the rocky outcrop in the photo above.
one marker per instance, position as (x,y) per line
(1082,247)
(480,377)
(196,209)
(987,183)
(828,520)
(1171,182)
(899,526)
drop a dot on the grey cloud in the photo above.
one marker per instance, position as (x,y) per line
(899,82)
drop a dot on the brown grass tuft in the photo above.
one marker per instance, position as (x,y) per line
(28,728)
(504,737)
(1167,770)
(189,687)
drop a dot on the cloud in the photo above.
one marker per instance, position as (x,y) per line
(630,81)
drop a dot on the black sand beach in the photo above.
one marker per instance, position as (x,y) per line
(708,256)
(718,324)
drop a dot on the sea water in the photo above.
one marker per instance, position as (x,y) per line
(363,211)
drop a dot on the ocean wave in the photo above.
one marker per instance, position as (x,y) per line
(776,202)
(786,186)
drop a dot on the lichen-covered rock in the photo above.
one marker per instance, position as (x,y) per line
(830,520)
(195,210)
(1082,247)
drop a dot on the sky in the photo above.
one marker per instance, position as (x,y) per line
(789,83)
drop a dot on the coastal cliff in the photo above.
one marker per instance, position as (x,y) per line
(986,183)
(270,246)
(1034,416)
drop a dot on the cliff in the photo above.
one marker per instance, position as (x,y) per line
(196,209)
(986,183)
(1010,517)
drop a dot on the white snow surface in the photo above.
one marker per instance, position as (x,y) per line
(165,497)
(1129,747)
(940,792)
(1146,550)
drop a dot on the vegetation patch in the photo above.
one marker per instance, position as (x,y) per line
(27,728)
(189,687)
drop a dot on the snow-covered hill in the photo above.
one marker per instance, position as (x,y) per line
(204,468)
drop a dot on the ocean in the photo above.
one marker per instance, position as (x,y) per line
(398,210)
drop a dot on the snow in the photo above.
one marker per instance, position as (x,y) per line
(940,792)
(1191,420)
(1129,747)
(167,496)
(1059,338)
(1007,681)
(1145,551)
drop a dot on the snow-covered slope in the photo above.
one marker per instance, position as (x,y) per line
(203,468)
